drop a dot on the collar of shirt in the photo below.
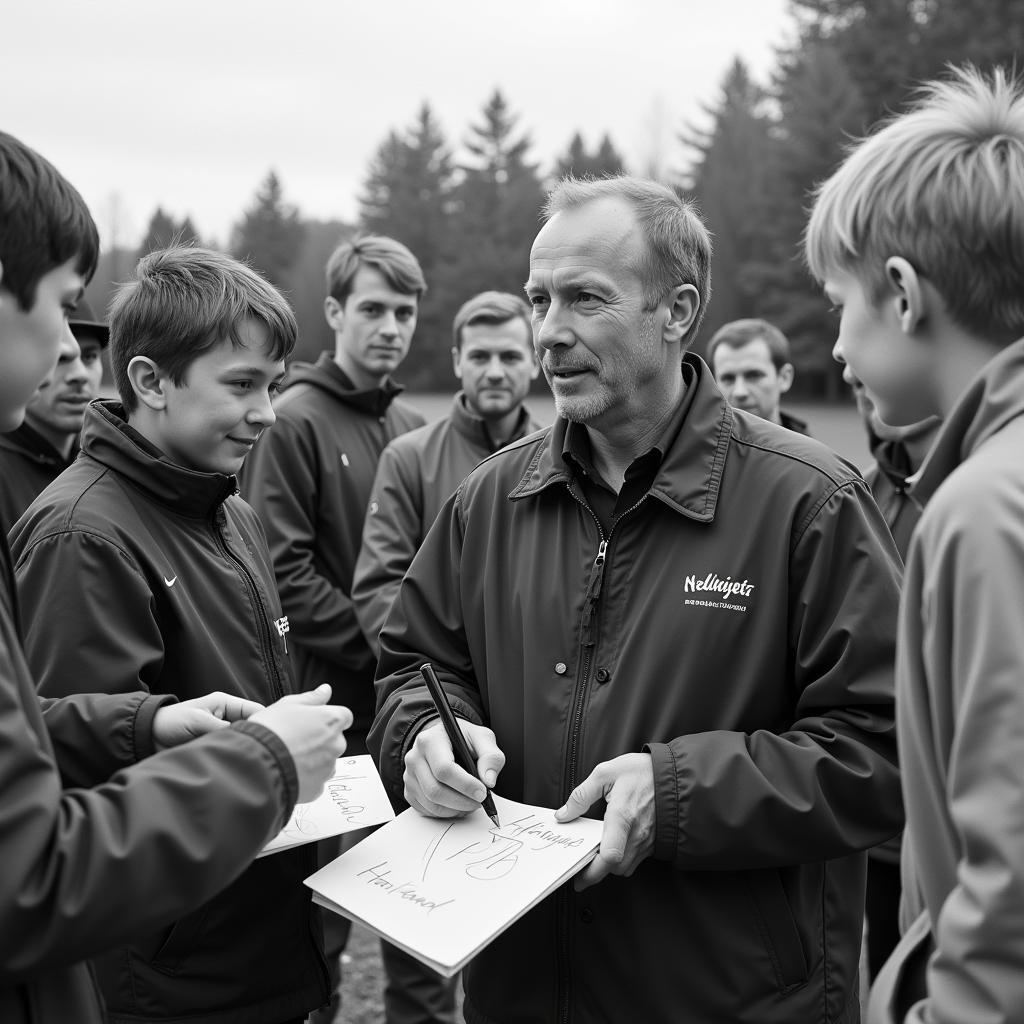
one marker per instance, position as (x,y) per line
(578,457)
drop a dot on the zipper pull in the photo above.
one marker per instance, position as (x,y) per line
(593,591)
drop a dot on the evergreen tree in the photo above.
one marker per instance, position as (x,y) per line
(729,180)
(408,195)
(498,201)
(577,161)
(187,233)
(270,233)
(821,109)
(308,286)
(162,231)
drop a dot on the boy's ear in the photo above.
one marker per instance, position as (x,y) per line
(683,302)
(148,382)
(907,294)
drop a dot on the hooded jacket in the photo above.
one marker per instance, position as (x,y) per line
(85,869)
(737,622)
(28,463)
(138,575)
(309,480)
(960,700)
(416,474)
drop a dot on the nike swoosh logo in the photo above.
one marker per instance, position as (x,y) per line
(170,582)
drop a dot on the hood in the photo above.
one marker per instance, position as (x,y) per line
(327,375)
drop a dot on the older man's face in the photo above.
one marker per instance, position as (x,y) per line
(598,347)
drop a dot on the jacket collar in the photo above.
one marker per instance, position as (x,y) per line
(28,441)
(690,476)
(327,375)
(474,429)
(107,438)
(991,401)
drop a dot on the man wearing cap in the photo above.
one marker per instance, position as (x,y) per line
(47,442)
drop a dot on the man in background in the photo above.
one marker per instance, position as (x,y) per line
(44,445)
(752,365)
(493,358)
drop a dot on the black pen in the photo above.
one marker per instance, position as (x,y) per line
(463,758)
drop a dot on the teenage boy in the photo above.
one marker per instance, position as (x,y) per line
(310,483)
(160,578)
(85,869)
(494,360)
(47,442)
(918,238)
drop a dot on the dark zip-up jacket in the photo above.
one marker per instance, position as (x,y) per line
(309,479)
(417,473)
(28,463)
(138,575)
(86,869)
(737,622)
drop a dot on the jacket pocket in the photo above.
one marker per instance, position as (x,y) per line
(181,940)
(778,928)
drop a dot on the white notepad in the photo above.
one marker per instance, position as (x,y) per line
(353,798)
(441,889)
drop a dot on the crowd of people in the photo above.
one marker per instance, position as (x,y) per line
(672,609)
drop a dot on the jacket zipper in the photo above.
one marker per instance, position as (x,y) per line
(588,631)
(266,637)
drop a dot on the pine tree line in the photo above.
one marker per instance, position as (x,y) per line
(751,170)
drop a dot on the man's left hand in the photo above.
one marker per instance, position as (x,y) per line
(627,785)
(174,724)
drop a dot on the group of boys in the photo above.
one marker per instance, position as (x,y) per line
(614,635)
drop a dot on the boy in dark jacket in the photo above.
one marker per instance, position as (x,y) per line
(86,868)
(161,579)
(919,239)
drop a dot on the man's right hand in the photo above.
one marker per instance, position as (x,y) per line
(435,785)
(313,732)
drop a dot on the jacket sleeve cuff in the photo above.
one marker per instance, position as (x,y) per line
(666,801)
(142,725)
(285,762)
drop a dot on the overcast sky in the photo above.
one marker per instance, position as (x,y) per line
(189,104)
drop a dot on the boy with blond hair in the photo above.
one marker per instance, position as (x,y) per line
(918,238)
(159,576)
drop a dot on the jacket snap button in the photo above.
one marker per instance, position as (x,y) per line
(586,915)
(561,668)
(603,675)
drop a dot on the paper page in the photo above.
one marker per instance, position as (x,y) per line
(443,888)
(353,798)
